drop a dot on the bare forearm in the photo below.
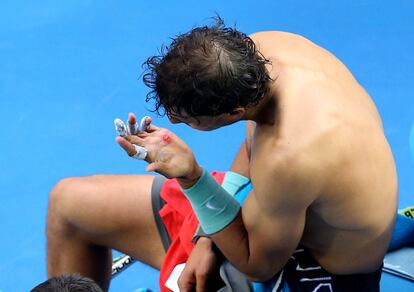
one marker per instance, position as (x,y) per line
(236,246)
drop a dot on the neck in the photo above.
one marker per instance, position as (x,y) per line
(265,111)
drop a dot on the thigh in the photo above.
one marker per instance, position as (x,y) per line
(114,211)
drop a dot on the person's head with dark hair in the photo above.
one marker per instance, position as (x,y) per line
(68,283)
(209,71)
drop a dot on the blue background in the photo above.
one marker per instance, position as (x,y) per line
(68,68)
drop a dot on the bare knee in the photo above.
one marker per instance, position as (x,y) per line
(63,198)
(84,205)
(63,192)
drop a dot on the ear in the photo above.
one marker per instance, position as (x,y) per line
(238,112)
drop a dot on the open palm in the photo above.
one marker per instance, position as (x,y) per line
(167,153)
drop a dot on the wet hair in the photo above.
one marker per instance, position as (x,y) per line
(207,71)
(68,283)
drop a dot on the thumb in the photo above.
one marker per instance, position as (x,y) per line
(156,166)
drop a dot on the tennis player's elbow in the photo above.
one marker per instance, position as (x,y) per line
(261,271)
(260,276)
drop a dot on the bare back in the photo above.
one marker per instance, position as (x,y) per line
(326,121)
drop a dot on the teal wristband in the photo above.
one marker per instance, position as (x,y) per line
(214,206)
(233,182)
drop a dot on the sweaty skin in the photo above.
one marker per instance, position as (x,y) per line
(322,170)
(327,128)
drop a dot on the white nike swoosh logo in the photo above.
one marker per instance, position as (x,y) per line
(211,207)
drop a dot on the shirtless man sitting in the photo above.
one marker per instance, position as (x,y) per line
(323,173)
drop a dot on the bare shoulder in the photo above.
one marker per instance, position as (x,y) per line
(298,166)
(262,34)
(293,176)
(274,35)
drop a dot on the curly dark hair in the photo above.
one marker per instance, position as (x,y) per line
(208,71)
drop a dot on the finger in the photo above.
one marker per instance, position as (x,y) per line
(201,284)
(141,152)
(132,124)
(134,151)
(132,118)
(135,140)
(121,128)
(151,127)
(145,124)
(155,166)
(126,145)
(159,167)
(186,283)
(186,287)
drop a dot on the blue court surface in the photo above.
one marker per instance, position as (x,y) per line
(68,68)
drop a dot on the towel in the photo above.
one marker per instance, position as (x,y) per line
(399,260)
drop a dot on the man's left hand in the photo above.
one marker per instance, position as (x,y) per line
(167,154)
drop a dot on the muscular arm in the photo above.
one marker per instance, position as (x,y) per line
(201,269)
(241,161)
(264,244)
(266,231)
(269,227)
